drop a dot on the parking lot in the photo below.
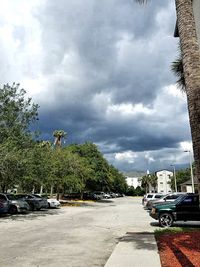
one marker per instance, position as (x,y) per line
(73,236)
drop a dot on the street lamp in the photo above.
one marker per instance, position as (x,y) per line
(174,177)
(191,170)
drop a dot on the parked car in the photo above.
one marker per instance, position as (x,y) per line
(184,208)
(100,194)
(9,204)
(91,196)
(165,198)
(52,202)
(150,196)
(112,194)
(35,202)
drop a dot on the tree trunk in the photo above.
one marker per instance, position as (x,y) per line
(51,193)
(33,190)
(191,65)
(41,189)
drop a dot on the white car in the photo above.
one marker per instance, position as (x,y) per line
(53,203)
(150,196)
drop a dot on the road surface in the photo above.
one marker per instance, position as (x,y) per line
(72,236)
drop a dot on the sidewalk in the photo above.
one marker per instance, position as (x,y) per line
(137,249)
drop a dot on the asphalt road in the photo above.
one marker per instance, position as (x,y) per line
(82,236)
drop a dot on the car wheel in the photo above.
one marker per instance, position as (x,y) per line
(13,210)
(49,205)
(166,220)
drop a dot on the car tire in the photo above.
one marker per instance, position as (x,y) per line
(166,220)
(49,205)
(13,210)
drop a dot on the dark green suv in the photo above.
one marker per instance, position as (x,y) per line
(184,208)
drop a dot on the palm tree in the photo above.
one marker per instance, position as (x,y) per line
(191,66)
(59,134)
(153,179)
(145,183)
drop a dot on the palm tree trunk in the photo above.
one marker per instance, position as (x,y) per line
(191,64)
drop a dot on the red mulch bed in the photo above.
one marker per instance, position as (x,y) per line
(179,249)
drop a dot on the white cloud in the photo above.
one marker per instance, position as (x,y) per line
(128,156)
(186,146)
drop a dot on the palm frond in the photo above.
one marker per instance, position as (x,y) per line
(177,69)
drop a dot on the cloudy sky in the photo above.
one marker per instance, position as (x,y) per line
(100,70)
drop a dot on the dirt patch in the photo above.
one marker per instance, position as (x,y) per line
(179,249)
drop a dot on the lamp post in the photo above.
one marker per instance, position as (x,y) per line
(191,170)
(174,177)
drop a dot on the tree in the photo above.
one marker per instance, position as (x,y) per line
(37,164)
(145,183)
(100,176)
(153,181)
(10,166)
(17,113)
(59,135)
(191,65)
(117,181)
(69,172)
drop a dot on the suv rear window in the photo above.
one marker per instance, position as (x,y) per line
(158,196)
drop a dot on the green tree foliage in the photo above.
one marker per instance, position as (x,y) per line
(34,165)
(181,177)
(153,181)
(10,166)
(138,191)
(102,176)
(16,114)
(118,181)
(177,69)
(145,182)
(37,166)
(99,178)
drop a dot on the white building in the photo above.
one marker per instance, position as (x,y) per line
(133,181)
(164,181)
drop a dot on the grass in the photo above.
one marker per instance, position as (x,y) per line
(174,230)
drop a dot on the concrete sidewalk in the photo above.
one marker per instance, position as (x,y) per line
(137,249)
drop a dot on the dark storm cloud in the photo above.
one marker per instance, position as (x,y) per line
(112,40)
(100,70)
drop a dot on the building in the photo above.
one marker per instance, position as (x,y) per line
(187,186)
(133,181)
(164,181)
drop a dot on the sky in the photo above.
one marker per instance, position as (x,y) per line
(100,70)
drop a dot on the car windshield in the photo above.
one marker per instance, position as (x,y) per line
(11,197)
